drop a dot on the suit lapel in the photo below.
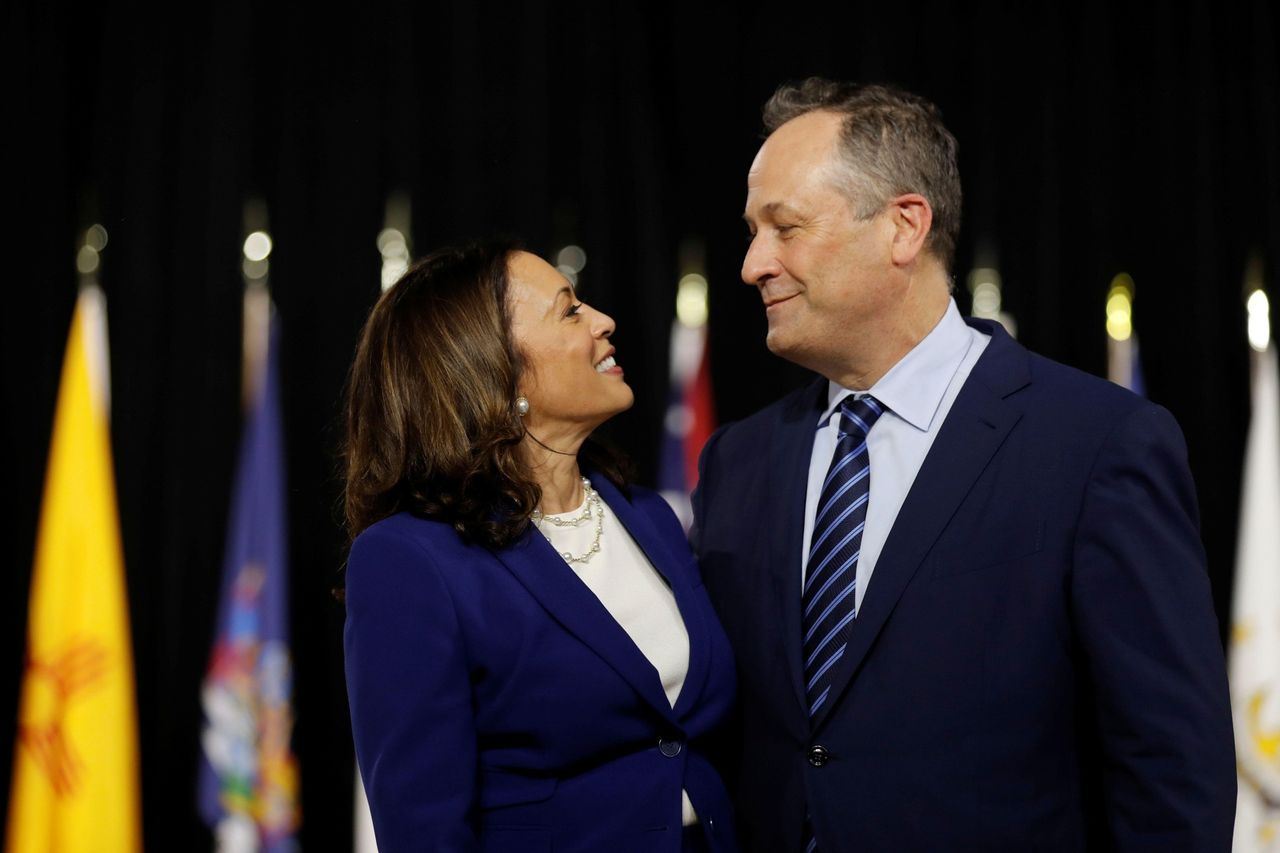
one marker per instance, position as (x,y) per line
(788,482)
(974,429)
(571,603)
(658,548)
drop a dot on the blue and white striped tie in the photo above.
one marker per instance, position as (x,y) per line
(831,577)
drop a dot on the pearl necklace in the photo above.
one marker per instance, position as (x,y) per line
(590,511)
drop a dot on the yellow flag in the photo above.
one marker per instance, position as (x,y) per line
(75,775)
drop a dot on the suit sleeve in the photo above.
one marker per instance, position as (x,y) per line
(410,696)
(1145,620)
(699,497)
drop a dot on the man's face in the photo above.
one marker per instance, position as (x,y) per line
(822,273)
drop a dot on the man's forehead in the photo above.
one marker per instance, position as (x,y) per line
(812,134)
(797,147)
(784,182)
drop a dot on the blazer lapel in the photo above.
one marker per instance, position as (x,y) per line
(658,548)
(976,426)
(788,482)
(571,603)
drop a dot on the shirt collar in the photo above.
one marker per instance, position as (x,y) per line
(914,387)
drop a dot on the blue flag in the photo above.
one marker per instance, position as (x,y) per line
(248,786)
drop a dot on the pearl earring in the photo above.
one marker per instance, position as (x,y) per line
(522,406)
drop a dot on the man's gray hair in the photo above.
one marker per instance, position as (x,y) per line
(892,142)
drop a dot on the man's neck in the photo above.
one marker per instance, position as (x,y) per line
(889,347)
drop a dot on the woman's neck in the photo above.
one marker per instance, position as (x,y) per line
(557,474)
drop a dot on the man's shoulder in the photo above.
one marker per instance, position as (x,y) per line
(803,402)
(1061,386)
(1040,384)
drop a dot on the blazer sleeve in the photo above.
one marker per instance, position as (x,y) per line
(409,690)
(1144,617)
(699,496)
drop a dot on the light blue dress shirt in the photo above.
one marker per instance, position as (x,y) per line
(918,392)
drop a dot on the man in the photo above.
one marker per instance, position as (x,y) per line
(964,583)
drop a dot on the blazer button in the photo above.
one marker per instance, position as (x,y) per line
(669,748)
(819,756)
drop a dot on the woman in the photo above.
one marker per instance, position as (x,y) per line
(532,662)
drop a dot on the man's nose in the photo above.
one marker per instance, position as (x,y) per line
(760,263)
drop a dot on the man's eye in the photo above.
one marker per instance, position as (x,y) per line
(784,229)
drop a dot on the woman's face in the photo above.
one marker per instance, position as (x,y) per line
(570,378)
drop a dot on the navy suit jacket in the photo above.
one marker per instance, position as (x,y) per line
(1036,664)
(498,706)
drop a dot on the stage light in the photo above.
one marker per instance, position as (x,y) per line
(254,270)
(1120,308)
(394,248)
(391,242)
(257,246)
(96,237)
(571,257)
(984,286)
(986,300)
(87,260)
(95,240)
(1259,320)
(691,300)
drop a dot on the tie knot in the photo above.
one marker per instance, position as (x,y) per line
(858,415)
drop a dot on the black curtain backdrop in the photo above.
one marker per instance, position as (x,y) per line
(1095,137)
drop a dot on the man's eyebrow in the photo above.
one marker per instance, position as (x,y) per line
(772,209)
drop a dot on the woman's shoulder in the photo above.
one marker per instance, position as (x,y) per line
(655,506)
(646,499)
(403,536)
(403,526)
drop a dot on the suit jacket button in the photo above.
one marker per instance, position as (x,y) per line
(669,748)
(819,756)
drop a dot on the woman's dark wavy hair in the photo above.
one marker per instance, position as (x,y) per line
(431,425)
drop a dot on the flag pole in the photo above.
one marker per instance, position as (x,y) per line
(1254,652)
(394,247)
(247,791)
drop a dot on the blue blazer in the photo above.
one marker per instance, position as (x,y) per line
(497,706)
(1036,664)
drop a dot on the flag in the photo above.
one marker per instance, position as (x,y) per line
(1254,656)
(1124,367)
(363,838)
(75,775)
(248,785)
(690,417)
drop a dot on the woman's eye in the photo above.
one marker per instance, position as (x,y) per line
(573,310)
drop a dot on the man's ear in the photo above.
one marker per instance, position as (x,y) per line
(912,217)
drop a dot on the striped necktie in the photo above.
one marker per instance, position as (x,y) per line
(831,577)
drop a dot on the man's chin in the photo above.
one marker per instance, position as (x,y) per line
(794,350)
(781,344)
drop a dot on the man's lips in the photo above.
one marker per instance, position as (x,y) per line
(769,302)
